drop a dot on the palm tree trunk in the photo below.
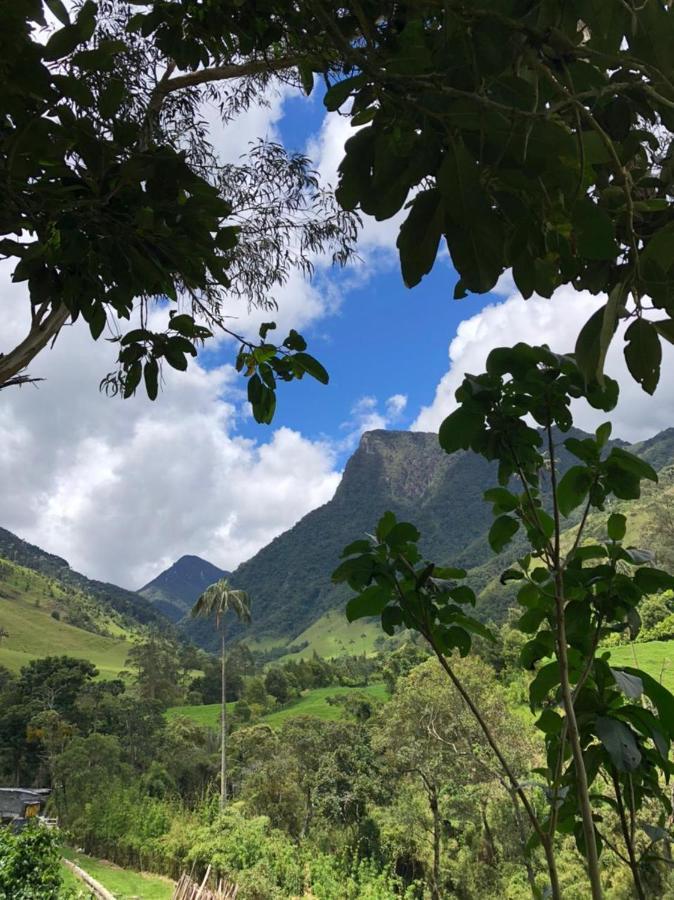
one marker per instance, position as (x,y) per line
(223,723)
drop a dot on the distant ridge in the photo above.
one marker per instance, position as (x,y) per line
(128,603)
(177,588)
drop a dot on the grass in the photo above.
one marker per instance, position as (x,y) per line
(332,635)
(312,703)
(654,657)
(27,600)
(125,884)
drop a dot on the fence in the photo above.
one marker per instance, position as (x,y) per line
(188,889)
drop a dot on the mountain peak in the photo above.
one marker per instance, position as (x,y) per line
(175,590)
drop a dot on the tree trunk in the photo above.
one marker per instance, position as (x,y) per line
(435,893)
(223,723)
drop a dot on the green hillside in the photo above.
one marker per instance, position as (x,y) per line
(135,609)
(42,618)
(654,657)
(408,473)
(312,703)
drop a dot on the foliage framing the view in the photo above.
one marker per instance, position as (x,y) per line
(118,208)
(596,728)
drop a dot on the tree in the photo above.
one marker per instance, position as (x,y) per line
(571,597)
(276,684)
(216,601)
(157,670)
(130,204)
(427,736)
(532,137)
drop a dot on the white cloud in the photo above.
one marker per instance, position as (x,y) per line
(367,416)
(122,488)
(555,322)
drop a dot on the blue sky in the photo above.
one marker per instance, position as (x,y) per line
(383,340)
(122,489)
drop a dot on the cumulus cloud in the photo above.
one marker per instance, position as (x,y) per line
(366,415)
(555,322)
(122,488)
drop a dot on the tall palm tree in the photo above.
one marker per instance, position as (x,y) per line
(215,602)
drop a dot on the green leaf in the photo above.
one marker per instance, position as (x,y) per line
(370,603)
(62,43)
(385,524)
(339,92)
(617,526)
(652,581)
(593,231)
(501,532)
(312,367)
(402,533)
(603,433)
(659,696)
(58,10)
(643,354)
(665,328)
(573,488)
(632,464)
(472,228)
(460,428)
(619,742)
(631,685)
(549,722)
(511,575)
(420,235)
(503,500)
(357,572)
(151,376)
(546,679)
(362,546)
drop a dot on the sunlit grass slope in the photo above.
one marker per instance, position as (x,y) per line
(123,883)
(655,657)
(27,601)
(311,703)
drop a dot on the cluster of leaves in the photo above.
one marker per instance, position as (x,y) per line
(266,364)
(532,137)
(570,598)
(115,198)
(30,863)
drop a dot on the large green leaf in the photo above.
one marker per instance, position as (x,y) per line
(370,602)
(420,235)
(643,354)
(502,531)
(620,743)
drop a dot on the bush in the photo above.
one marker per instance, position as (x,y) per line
(30,864)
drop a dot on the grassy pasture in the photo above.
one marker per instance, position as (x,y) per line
(312,703)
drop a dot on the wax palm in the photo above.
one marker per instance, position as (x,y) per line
(215,602)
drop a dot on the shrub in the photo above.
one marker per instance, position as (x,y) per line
(30,864)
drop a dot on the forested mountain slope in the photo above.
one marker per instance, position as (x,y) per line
(407,472)
(176,589)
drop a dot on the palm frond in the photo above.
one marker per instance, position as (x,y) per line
(218,599)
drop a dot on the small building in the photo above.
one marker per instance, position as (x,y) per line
(18,805)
